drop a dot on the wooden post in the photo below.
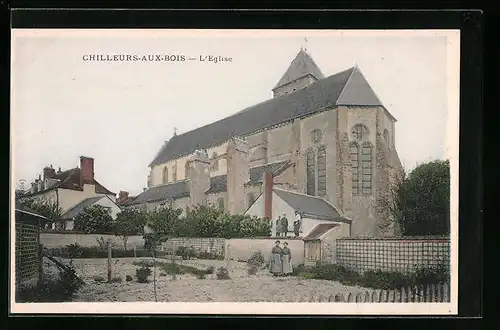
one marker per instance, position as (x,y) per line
(134,252)
(40,262)
(109,261)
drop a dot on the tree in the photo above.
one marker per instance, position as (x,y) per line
(94,219)
(163,220)
(420,202)
(129,222)
(47,208)
(204,221)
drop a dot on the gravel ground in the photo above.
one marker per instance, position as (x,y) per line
(187,288)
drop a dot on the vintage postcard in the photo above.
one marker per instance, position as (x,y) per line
(235,171)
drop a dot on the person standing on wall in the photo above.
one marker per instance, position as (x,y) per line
(286,259)
(278,226)
(284,225)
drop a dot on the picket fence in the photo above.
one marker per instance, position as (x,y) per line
(439,293)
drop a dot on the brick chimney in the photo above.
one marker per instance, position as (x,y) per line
(48,172)
(199,177)
(122,196)
(86,170)
(268,195)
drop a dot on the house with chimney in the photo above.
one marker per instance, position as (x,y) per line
(329,138)
(68,188)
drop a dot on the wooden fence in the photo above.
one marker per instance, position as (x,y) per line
(439,293)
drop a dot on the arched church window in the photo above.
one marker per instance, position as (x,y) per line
(354,153)
(316,136)
(386,137)
(174,172)
(366,165)
(311,173)
(220,203)
(322,171)
(359,132)
(250,199)
(214,163)
(165,175)
(186,169)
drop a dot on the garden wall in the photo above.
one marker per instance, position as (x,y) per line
(402,254)
(243,248)
(54,240)
(200,244)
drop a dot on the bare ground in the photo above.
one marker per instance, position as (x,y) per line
(187,288)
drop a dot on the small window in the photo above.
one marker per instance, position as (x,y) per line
(165,175)
(214,163)
(186,168)
(359,132)
(311,173)
(174,172)
(316,136)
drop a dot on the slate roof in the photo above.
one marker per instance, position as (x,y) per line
(311,206)
(301,66)
(170,191)
(319,230)
(73,212)
(314,98)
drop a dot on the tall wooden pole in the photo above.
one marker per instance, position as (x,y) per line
(109,261)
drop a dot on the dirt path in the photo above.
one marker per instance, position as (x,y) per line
(187,288)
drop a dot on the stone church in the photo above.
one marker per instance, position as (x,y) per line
(328,137)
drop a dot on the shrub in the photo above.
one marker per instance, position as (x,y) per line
(185,252)
(222,273)
(431,275)
(74,250)
(163,274)
(97,252)
(201,276)
(116,279)
(142,274)
(252,270)
(99,278)
(209,256)
(129,278)
(210,270)
(385,280)
(59,289)
(256,260)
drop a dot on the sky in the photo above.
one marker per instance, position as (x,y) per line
(120,113)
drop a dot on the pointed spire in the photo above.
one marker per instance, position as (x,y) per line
(302,66)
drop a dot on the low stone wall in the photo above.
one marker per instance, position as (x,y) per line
(55,240)
(399,254)
(243,248)
(200,244)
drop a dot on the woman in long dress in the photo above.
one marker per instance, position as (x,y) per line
(275,264)
(286,257)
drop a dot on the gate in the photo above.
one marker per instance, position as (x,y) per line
(312,252)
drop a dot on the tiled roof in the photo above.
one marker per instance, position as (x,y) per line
(170,191)
(70,179)
(319,230)
(311,206)
(316,97)
(301,66)
(73,212)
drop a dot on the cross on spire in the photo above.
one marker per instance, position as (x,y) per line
(175,130)
(305,44)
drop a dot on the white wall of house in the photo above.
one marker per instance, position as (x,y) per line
(69,198)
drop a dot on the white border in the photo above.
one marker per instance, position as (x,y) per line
(452,141)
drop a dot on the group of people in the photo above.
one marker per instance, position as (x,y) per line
(282,225)
(281,260)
